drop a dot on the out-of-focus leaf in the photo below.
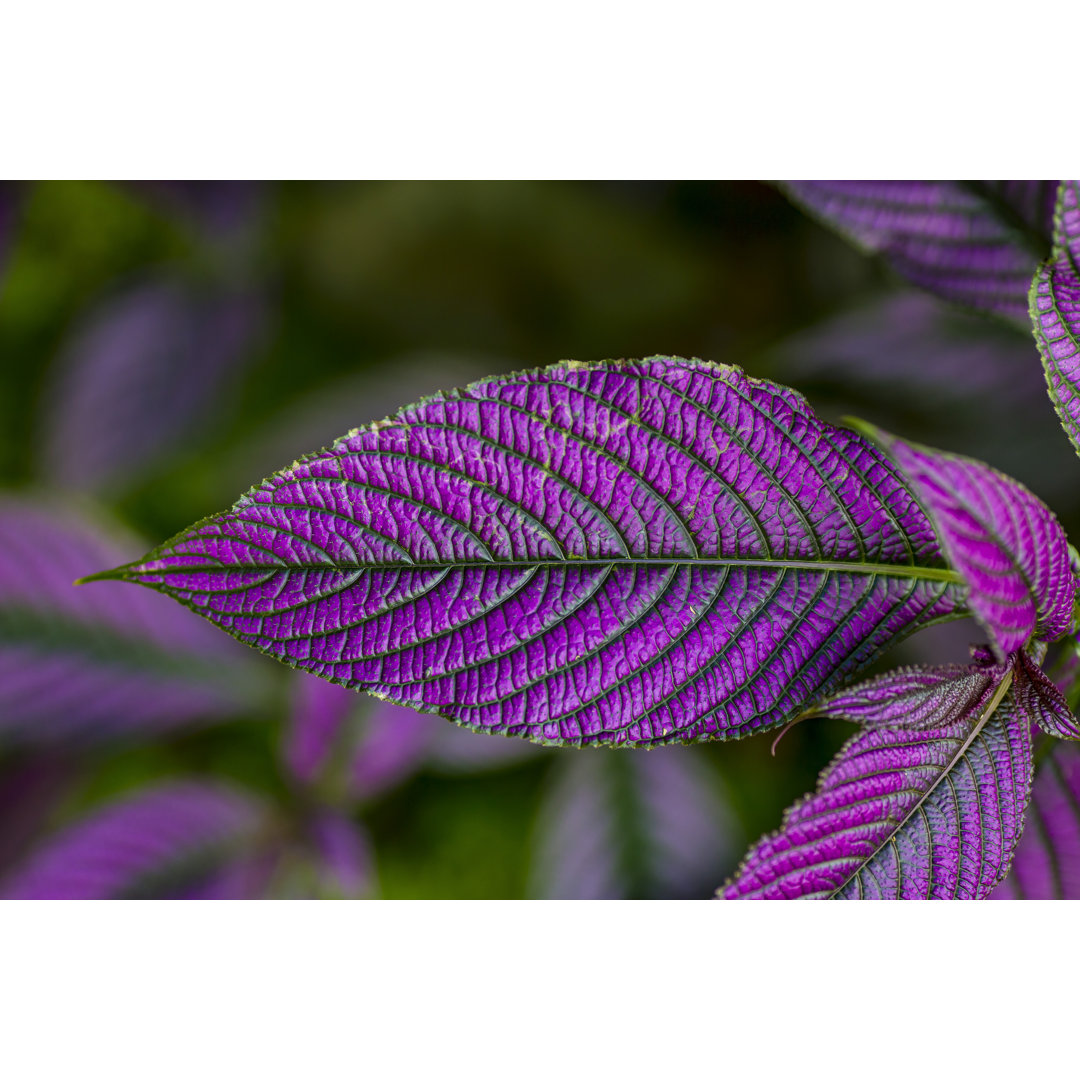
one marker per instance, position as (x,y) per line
(143,372)
(1008,544)
(949,378)
(1047,861)
(11,196)
(367,746)
(1055,311)
(975,243)
(81,664)
(221,207)
(626,552)
(162,842)
(346,860)
(927,802)
(614,826)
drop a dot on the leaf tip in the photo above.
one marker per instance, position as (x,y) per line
(116,574)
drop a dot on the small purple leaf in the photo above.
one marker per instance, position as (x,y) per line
(318,713)
(159,843)
(975,243)
(81,664)
(1055,311)
(138,376)
(628,552)
(1039,701)
(614,826)
(1047,861)
(913,807)
(1005,542)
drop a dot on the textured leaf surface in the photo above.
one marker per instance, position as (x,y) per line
(924,803)
(165,842)
(1055,311)
(1040,702)
(627,552)
(618,826)
(91,664)
(142,372)
(1047,861)
(975,243)
(1006,543)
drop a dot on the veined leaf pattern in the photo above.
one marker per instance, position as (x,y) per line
(975,243)
(1055,311)
(921,804)
(1005,541)
(629,552)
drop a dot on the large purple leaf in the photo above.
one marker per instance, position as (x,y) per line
(88,664)
(975,243)
(617,826)
(169,841)
(627,552)
(1006,543)
(927,802)
(1055,311)
(143,371)
(1047,861)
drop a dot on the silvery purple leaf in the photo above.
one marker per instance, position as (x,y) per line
(140,374)
(81,664)
(975,243)
(629,552)
(1047,861)
(159,843)
(1039,701)
(1005,542)
(918,805)
(1055,311)
(615,826)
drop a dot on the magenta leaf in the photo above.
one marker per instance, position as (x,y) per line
(1047,861)
(1039,701)
(617,826)
(975,243)
(926,802)
(1005,542)
(168,841)
(141,373)
(629,552)
(80,664)
(1055,311)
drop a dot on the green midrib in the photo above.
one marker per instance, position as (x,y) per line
(927,573)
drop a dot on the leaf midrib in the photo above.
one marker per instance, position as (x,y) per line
(927,573)
(981,723)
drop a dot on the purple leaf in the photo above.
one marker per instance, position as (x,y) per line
(347,863)
(614,826)
(1055,311)
(628,552)
(1039,701)
(1047,861)
(162,842)
(139,375)
(1005,542)
(392,746)
(927,802)
(975,243)
(318,713)
(88,664)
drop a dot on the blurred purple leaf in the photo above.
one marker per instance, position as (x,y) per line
(31,787)
(909,362)
(392,746)
(220,207)
(88,664)
(975,243)
(1055,311)
(926,802)
(626,552)
(1046,865)
(162,842)
(12,194)
(346,860)
(144,371)
(1005,542)
(318,712)
(613,826)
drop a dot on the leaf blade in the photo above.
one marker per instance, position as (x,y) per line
(585,553)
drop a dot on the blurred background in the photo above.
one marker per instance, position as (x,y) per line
(164,346)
